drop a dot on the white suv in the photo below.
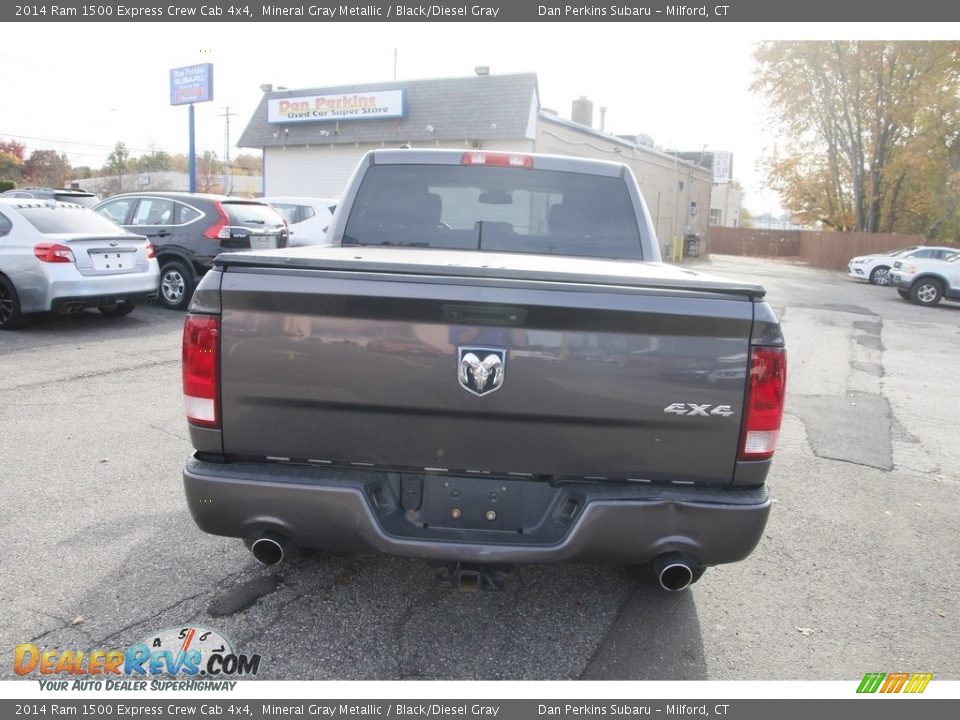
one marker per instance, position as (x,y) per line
(876,268)
(307,217)
(926,282)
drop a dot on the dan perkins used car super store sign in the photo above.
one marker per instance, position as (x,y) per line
(376,104)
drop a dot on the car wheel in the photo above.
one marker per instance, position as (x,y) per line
(926,292)
(880,275)
(176,286)
(10,316)
(118,310)
(905,294)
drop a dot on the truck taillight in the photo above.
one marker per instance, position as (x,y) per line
(766,388)
(52,253)
(497,159)
(201,342)
(151,251)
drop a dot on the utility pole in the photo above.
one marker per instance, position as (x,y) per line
(226,115)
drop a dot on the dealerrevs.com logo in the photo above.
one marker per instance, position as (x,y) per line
(182,658)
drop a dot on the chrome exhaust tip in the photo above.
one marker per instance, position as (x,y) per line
(674,571)
(269,549)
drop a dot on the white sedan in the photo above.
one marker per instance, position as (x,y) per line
(307,217)
(64,258)
(876,268)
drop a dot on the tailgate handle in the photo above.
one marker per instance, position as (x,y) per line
(484,315)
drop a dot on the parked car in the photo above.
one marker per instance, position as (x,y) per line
(190,229)
(308,218)
(926,282)
(64,258)
(876,268)
(80,197)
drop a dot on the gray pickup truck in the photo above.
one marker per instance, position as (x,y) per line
(492,367)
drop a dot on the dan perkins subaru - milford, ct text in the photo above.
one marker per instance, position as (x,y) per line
(390,11)
(588,11)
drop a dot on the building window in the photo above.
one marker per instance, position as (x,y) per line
(715,216)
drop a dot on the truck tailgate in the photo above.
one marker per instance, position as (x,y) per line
(599,381)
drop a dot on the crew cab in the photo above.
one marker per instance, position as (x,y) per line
(492,366)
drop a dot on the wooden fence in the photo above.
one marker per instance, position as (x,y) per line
(831,250)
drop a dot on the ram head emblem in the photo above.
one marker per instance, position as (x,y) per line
(481,376)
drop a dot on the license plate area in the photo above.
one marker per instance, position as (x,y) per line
(263,242)
(113,260)
(467,503)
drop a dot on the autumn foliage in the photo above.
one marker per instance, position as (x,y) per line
(868,133)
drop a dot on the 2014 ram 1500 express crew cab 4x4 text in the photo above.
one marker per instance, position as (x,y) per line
(493,367)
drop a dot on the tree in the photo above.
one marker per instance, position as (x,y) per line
(870,132)
(47,168)
(179,163)
(247,164)
(154,161)
(209,173)
(11,159)
(9,167)
(17,149)
(117,162)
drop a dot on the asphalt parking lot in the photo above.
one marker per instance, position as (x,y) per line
(857,571)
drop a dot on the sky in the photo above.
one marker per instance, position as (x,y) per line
(686,85)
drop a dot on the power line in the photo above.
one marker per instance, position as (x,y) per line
(80,157)
(229,166)
(83,144)
(69,142)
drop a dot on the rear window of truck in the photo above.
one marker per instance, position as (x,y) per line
(498,209)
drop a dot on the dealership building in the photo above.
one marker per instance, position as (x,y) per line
(313,138)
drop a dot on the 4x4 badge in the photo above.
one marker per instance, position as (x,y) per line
(481,369)
(701,410)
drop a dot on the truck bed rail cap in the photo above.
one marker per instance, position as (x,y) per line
(509,266)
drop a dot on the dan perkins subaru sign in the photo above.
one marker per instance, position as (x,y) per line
(191,84)
(370,105)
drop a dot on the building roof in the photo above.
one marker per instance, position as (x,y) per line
(618,140)
(483,107)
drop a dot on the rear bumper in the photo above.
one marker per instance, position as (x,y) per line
(354,509)
(57,286)
(79,302)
